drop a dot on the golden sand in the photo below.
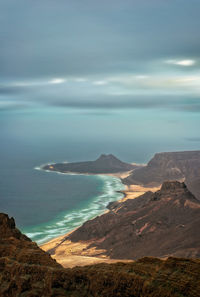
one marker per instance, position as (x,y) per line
(134,191)
(70,254)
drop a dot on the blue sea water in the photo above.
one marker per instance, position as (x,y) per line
(48,204)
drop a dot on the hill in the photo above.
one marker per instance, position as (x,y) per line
(26,271)
(170,166)
(161,224)
(104,164)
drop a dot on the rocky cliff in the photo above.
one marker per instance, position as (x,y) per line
(13,244)
(26,271)
(170,166)
(158,224)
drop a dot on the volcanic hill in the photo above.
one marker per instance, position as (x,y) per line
(104,164)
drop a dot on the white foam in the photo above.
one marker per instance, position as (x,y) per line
(33,234)
(52,231)
(75,218)
(60,223)
(37,168)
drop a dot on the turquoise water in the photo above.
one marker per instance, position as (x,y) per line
(48,204)
(87,209)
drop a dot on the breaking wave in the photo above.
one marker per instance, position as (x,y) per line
(71,219)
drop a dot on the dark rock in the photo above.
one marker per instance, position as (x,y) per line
(170,166)
(104,164)
(148,225)
(15,244)
(42,276)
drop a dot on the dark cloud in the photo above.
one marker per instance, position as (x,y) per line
(48,38)
(8,106)
(136,102)
(42,40)
(110,103)
(193,139)
(189,107)
(9,90)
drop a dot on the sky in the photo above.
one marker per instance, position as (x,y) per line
(101,56)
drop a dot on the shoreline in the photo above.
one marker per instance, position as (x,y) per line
(71,218)
(119,175)
(122,174)
(70,254)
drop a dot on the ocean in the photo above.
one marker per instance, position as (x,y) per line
(49,204)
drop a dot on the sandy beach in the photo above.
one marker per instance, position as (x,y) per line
(70,254)
(133,191)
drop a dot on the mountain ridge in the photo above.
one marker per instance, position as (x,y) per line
(133,228)
(181,166)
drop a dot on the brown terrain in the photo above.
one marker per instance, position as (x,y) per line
(27,271)
(104,164)
(183,166)
(71,254)
(161,224)
(151,220)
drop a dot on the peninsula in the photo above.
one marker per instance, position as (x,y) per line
(152,211)
(105,164)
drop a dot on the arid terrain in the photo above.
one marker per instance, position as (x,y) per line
(71,254)
(26,270)
(182,166)
(160,224)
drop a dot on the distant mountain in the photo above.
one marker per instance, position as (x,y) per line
(170,166)
(104,164)
(26,270)
(158,224)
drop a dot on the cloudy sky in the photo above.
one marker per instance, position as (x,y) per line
(100,54)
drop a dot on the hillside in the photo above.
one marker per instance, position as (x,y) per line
(26,271)
(170,166)
(161,224)
(104,164)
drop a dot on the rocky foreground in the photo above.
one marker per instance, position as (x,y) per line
(27,271)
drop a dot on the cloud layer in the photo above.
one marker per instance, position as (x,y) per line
(101,54)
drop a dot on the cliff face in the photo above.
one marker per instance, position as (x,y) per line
(170,166)
(155,224)
(104,164)
(26,271)
(13,244)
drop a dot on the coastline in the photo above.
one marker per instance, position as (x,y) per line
(119,175)
(70,254)
(105,190)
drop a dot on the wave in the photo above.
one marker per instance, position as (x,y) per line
(71,219)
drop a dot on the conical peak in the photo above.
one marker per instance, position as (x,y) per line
(109,156)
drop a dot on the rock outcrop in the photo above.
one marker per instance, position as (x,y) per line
(27,271)
(104,164)
(170,166)
(161,224)
(13,244)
